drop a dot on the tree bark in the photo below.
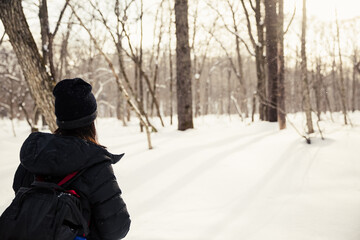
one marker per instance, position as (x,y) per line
(22,41)
(259,54)
(44,30)
(305,81)
(229,92)
(47,38)
(317,78)
(183,66)
(271,57)
(281,70)
(63,66)
(239,73)
(354,81)
(260,62)
(170,65)
(341,84)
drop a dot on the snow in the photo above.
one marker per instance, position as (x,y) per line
(227,179)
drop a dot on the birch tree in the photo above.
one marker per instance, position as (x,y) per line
(305,81)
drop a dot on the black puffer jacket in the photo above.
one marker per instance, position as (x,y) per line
(55,156)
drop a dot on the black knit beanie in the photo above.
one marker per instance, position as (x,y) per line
(75,105)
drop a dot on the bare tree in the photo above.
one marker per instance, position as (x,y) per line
(183,66)
(354,79)
(39,82)
(118,80)
(47,37)
(121,51)
(237,68)
(62,68)
(258,46)
(170,62)
(199,62)
(341,83)
(133,56)
(271,57)
(157,52)
(195,75)
(305,81)
(317,85)
(281,69)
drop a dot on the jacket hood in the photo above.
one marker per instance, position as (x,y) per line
(55,155)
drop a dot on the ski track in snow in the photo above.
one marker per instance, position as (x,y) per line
(227,180)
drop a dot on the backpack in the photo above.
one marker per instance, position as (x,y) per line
(45,211)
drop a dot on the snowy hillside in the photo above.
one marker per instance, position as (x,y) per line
(228,180)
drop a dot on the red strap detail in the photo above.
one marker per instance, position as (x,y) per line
(67,178)
(73,193)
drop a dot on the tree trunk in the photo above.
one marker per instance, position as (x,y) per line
(47,37)
(317,78)
(207,93)
(260,62)
(63,66)
(229,91)
(271,57)
(171,81)
(305,81)
(140,65)
(281,70)
(44,26)
(239,73)
(341,84)
(183,66)
(170,63)
(353,97)
(22,41)
(197,95)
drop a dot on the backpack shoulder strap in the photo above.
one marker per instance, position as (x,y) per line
(67,178)
(70,178)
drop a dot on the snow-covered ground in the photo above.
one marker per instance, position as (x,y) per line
(227,179)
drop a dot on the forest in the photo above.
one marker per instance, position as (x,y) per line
(250,109)
(257,59)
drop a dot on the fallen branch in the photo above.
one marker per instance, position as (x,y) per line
(269,104)
(237,107)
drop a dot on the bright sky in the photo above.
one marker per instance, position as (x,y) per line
(325,9)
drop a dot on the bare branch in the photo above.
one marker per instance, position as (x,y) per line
(230,30)
(270,104)
(2,37)
(101,88)
(358,67)
(248,24)
(291,20)
(252,5)
(7,106)
(120,84)
(194,25)
(226,52)
(212,29)
(60,17)
(106,103)
(221,16)
(12,78)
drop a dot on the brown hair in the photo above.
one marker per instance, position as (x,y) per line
(87,133)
